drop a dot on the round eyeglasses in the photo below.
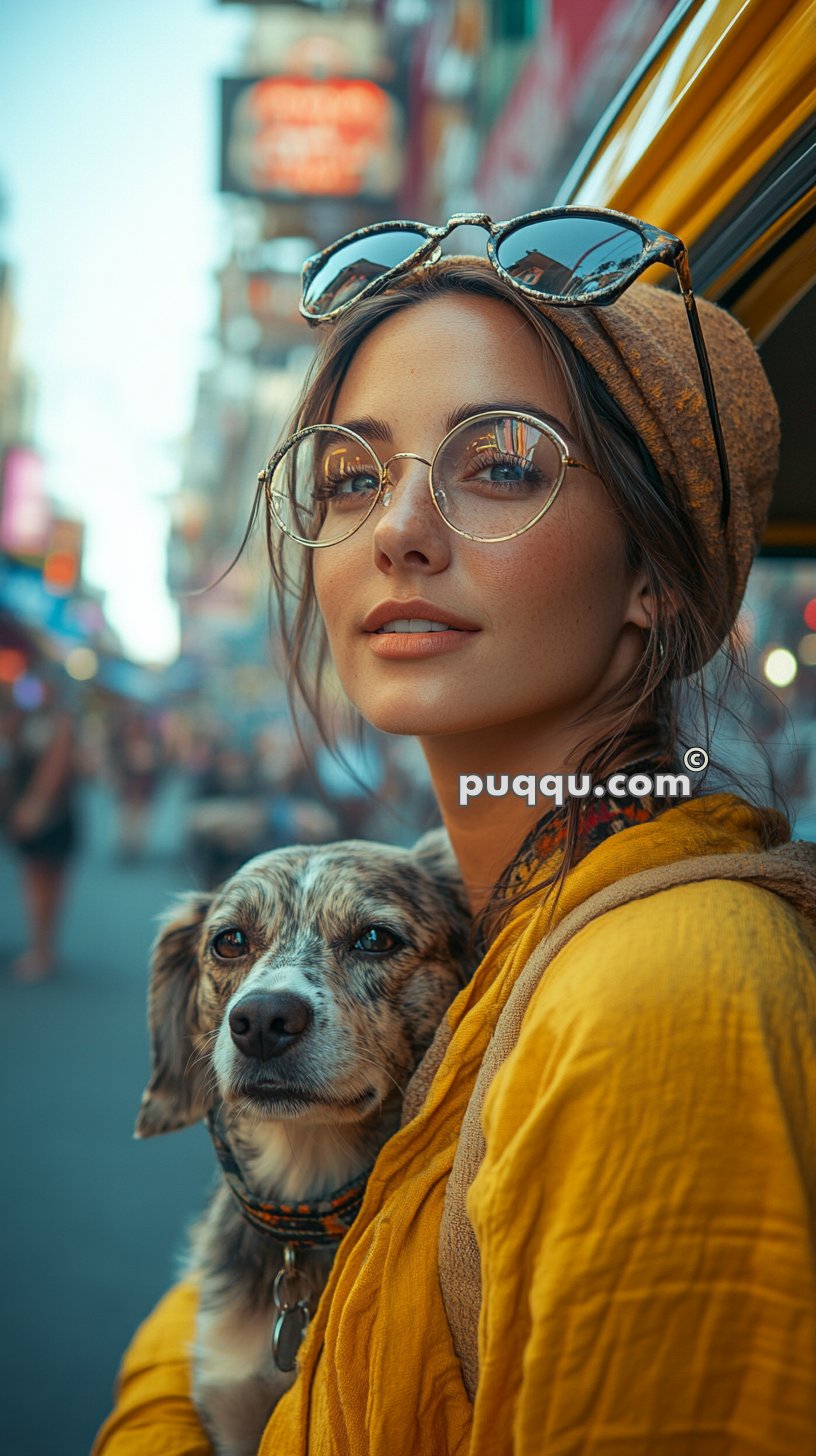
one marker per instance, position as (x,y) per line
(493,476)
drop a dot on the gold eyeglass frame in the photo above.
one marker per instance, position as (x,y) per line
(386,485)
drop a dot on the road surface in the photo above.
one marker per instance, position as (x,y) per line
(92,1221)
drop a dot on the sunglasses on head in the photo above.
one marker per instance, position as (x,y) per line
(569,257)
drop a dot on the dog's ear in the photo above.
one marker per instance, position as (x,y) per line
(175,1096)
(435,854)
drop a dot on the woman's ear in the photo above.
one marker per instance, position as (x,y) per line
(641,607)
(176,1094)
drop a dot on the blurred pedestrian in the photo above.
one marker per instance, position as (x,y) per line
(136,762)
(42,822)
(351,776)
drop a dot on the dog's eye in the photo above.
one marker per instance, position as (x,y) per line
(228,945)
(377,940)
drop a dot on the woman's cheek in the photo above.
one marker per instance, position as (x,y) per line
(341,614)
(325,581)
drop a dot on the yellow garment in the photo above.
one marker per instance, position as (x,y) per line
(645,1213)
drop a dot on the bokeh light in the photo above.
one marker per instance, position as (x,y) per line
(81,664)
(780,667)
(28,691)
(12,664)
(806,651)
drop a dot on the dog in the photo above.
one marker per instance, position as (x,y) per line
(289,1008)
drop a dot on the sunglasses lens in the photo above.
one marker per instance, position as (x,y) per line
(495,475)
(349,269)
(324,485)
(571,256)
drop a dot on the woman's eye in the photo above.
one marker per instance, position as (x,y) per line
(354,483)
(507,470)
(511,470)
(229,945)
(377,940)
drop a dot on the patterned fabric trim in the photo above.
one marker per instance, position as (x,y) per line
(303,1225)
(600,818)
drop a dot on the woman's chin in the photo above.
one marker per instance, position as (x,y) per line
(412,719)
(402,717)
(416,723)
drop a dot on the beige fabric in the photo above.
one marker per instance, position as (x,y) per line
(641,348)
(788,869)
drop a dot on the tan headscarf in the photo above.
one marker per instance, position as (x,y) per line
(642,351)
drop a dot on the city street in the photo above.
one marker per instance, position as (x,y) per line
(235,601)
(92,1220)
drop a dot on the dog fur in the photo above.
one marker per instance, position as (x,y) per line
(301,913)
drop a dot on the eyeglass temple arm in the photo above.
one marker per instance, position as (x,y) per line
(683,271)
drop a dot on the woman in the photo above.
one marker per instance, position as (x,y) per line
(601,1237)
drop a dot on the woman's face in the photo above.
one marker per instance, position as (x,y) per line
(553,616)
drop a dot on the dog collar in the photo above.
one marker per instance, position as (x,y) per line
(302,1225)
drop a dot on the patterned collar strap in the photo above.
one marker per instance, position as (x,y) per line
(303,1225)
(601,818)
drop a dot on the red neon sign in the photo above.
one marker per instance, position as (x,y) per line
(296,135)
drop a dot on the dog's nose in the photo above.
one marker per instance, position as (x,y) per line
(264,1025)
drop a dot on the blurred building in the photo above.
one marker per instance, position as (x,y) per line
(503,93)
(16,383)
(47,610)
(313,135)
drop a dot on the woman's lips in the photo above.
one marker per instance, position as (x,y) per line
(418,644)
(414,611)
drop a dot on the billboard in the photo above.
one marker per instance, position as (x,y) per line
(62,567)
(25,511)
(293,136)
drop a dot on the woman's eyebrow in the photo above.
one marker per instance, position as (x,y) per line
(371,428)
(368,427)
(514,406)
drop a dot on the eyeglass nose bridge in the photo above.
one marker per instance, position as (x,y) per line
(387,482)
(470,219)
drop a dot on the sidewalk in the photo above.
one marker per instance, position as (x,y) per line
(92,1220)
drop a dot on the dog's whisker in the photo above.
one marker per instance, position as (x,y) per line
(340,1141)
(197,1059)
(197,1055)
(292,1153)
(380,1068)
(207,1040)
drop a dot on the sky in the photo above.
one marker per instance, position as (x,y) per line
(113,228)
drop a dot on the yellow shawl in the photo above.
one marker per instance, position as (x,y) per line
(645,1211)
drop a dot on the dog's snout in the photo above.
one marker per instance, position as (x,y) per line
(263,1026)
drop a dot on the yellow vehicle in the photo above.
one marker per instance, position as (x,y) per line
(714,135)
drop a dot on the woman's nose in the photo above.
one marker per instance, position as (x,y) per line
(405,518)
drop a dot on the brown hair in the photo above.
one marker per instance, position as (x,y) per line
(647,710)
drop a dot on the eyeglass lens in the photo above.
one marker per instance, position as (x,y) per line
(349,269)
(323,485)
(570,255)
(493,477)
